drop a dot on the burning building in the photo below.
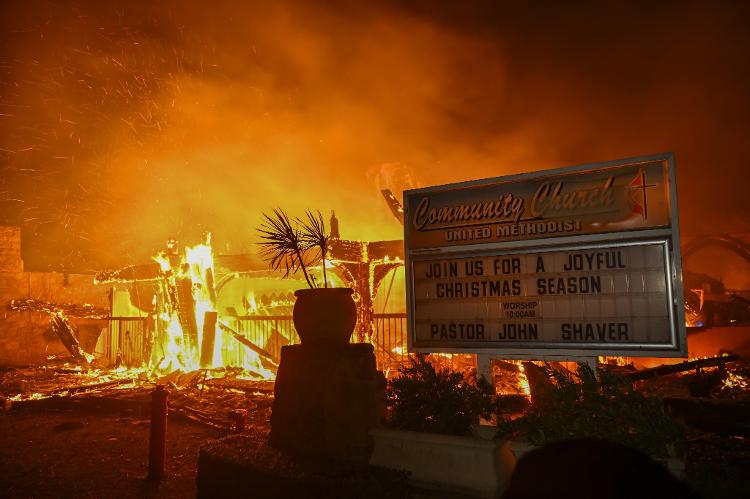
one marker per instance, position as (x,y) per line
(124,123)
(190,309)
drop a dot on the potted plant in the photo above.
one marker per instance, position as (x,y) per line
(323,316)
(432,413)
(582,406)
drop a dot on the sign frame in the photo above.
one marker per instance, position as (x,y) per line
(669,236)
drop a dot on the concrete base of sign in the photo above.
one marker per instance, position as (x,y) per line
(325,401)
(468,465)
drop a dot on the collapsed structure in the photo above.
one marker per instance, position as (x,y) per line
(182,311)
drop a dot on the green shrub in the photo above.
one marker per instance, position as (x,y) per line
(609,408)
(424,399)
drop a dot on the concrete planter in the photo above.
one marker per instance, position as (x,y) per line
(468,465)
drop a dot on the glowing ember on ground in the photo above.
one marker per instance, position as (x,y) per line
(734,380)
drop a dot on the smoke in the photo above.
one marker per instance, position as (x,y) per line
(125,123)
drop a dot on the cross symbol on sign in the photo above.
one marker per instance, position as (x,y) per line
(640,186)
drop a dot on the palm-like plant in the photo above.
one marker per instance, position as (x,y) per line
(314,238)
(286,245)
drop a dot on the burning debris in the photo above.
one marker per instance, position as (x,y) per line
(189,333)
(206,397)
(68,309)
(61,379)
(697,364)
(510,378)
(58,315)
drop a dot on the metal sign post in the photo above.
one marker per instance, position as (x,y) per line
(576,262)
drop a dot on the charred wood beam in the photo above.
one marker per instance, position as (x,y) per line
(540,384)
(394,204)
(186,313)
(64,331)
(361,251)
(348,251)
(209,337)
(249,344)
(379,250)
(133,273)
(211,287)
(196,416)
(88,388)
(506,366)
(69,309)
(240,384)
(681,367)
(209,324)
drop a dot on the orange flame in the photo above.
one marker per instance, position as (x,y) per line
(197,265)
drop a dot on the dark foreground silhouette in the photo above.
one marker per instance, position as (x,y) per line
(587,468)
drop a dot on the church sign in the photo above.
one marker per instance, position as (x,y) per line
(571,262)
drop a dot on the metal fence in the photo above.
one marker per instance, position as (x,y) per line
(269,332)
(389,340)
(272,332)
(125,342)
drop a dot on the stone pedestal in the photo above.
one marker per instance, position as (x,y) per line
(326,401)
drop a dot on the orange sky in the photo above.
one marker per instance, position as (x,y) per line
(125,123)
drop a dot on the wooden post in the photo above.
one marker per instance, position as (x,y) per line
(239,420)
(484,367)
(186,314)
(209,339)
(158,442)
(64,331)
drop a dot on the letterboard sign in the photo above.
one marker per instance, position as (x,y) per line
(570,262)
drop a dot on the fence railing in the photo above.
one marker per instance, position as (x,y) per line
(389,340)
(126,342)
(272,332)
(269,332)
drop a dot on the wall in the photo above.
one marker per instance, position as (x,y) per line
(26,338)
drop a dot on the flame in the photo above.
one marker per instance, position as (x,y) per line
(734,380)
(523,380)
(252,363)
(448,356)
(173,355)
(163,262)
(515,382)
(196,265)
(82,377)
(252,304)
(617,361)
(28,396)
(704,357)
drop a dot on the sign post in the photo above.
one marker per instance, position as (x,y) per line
(569,263)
